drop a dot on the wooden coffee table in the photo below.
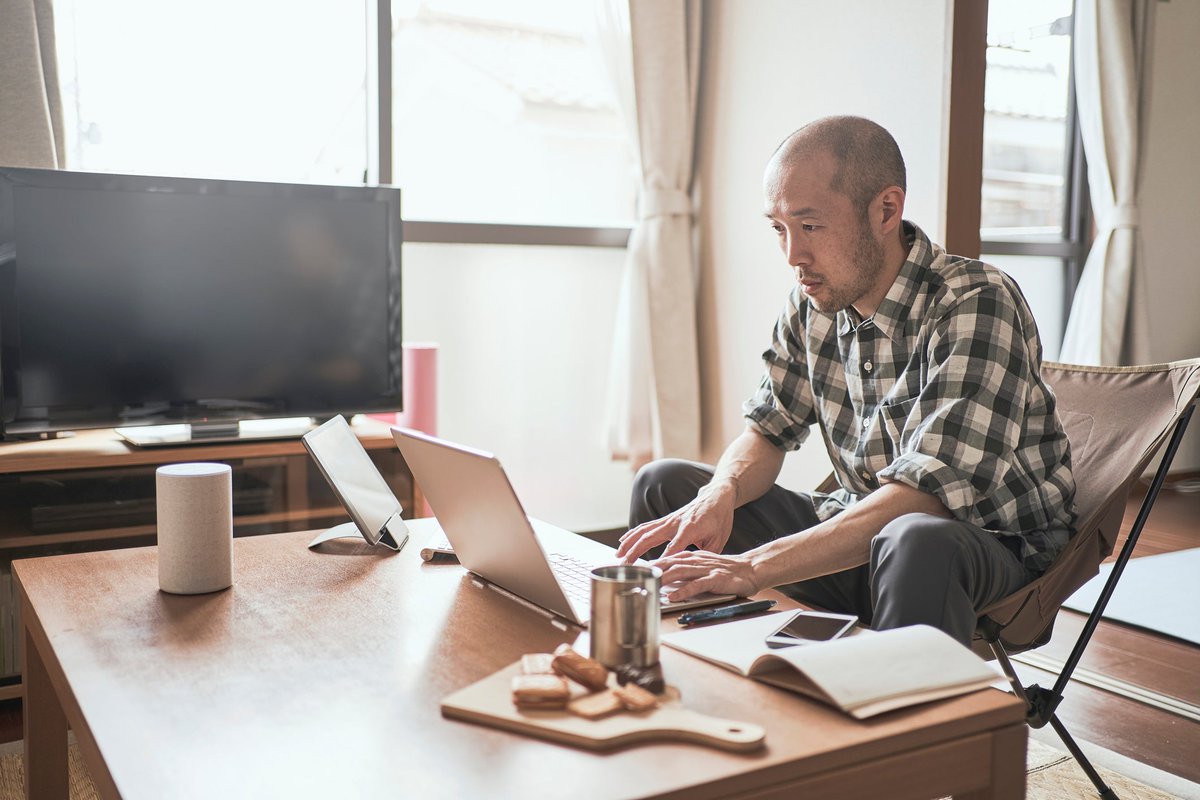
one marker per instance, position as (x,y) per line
(320,675)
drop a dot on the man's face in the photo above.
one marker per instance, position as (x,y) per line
(836,256)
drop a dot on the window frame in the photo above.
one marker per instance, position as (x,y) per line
(380,168)
(1073,246)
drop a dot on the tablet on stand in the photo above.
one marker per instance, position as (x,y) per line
(356,482)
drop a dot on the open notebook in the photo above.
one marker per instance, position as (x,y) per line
(864,674)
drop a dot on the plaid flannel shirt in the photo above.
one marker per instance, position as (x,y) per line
(939,390)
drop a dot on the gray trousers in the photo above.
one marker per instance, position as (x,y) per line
(923,568)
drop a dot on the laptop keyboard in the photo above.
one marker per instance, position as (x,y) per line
(575,577)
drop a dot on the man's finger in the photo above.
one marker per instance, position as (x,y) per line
(666,562)
(691,588)
(683,572)
(639,529)
(634,548)
(629,545)
(674,547)
(629,540)
(688,535)
(658,531)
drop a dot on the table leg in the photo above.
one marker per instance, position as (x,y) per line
(45,726)
(1008,766)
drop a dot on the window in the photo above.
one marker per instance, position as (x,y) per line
(502,112)
(495,112)
(223,88)
(1034,214)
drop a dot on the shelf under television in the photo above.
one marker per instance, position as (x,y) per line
(133,531)
(103,448)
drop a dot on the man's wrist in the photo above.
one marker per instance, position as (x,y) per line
(761,572)
(774,563)
(722,487)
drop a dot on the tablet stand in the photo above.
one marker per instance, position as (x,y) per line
(393,535)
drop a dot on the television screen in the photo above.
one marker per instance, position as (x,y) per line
(130,300)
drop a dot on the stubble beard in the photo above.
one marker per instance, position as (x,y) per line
(866,264)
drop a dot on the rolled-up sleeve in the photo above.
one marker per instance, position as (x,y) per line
(958,440)
(782,408)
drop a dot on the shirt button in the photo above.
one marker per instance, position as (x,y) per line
(866,422)
(868,366)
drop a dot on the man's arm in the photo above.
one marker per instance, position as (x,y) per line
(747,469)
(839,543)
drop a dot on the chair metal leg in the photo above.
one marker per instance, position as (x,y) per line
(1101,787)
(1123,557)
(1039,709)
(1040,703)
(1018,688)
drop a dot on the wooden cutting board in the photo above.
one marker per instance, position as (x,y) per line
(489,702)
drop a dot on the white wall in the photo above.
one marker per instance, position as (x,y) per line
(770,67)
(1166,304)
(524,336)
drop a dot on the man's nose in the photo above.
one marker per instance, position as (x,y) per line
(798,254)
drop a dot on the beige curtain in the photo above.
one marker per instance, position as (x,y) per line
(1112,85)
(654,388)
(31,131)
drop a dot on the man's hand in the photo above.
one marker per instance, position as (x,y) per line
(695,572)
(706,522)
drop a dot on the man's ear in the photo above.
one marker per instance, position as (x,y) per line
(890,209)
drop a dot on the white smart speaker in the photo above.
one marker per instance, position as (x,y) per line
(195,527)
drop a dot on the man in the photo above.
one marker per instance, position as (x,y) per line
(921,370)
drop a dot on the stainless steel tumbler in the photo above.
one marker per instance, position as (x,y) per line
(625,615)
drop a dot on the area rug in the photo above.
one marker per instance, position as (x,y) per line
(12,774)
(1051,774)
(1159,593)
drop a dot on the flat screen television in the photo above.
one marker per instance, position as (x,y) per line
(137,301)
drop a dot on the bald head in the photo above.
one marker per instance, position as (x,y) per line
(867,157)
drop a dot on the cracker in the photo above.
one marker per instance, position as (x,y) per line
(635,698)
(596,705)
(579,668)
(537,664)
(539,691)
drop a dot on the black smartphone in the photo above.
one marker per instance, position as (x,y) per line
(806,627)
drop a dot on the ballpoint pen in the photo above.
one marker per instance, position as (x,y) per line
(726,612)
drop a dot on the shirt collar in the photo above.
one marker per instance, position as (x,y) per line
(895,310)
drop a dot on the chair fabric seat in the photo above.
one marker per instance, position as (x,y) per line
(1116,420)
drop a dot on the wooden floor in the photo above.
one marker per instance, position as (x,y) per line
(1142,732)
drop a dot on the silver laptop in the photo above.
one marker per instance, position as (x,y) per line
(481,516)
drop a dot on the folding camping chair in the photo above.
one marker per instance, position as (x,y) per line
(1116,419)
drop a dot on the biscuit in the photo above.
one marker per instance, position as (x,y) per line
(597,705)
(635,698)
(537,664)
(579,668)
(539,691)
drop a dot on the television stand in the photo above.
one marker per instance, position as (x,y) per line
(214,432)
(93,491)
(10,437)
